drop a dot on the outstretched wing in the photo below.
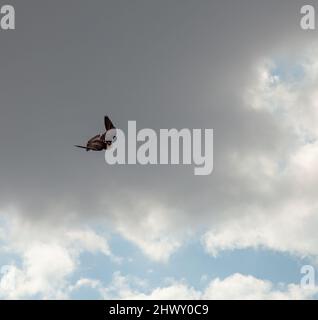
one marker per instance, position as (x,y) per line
(108,124)
(110,134)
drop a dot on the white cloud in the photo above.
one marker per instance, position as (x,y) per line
(259,195)
(49,256)
(122,287)
(281,211)
(153,232)
(290,228)
(85,282)
(43,273)
(234,287)
(262,192)
(175,291)
(238,286)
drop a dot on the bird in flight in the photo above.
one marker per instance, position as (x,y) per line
(102,141)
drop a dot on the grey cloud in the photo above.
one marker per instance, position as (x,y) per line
(162,63)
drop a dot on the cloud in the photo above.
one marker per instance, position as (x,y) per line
(233,287)
(43,274)
(84,282)
(290,228)
(195,82)
(281,214)
(261,193)
(238,286)
(250,79)
(153,233)
(49,255)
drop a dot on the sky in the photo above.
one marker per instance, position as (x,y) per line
(74,227)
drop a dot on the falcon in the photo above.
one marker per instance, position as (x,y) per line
(102,141)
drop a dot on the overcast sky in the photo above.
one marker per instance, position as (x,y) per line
(70,221)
